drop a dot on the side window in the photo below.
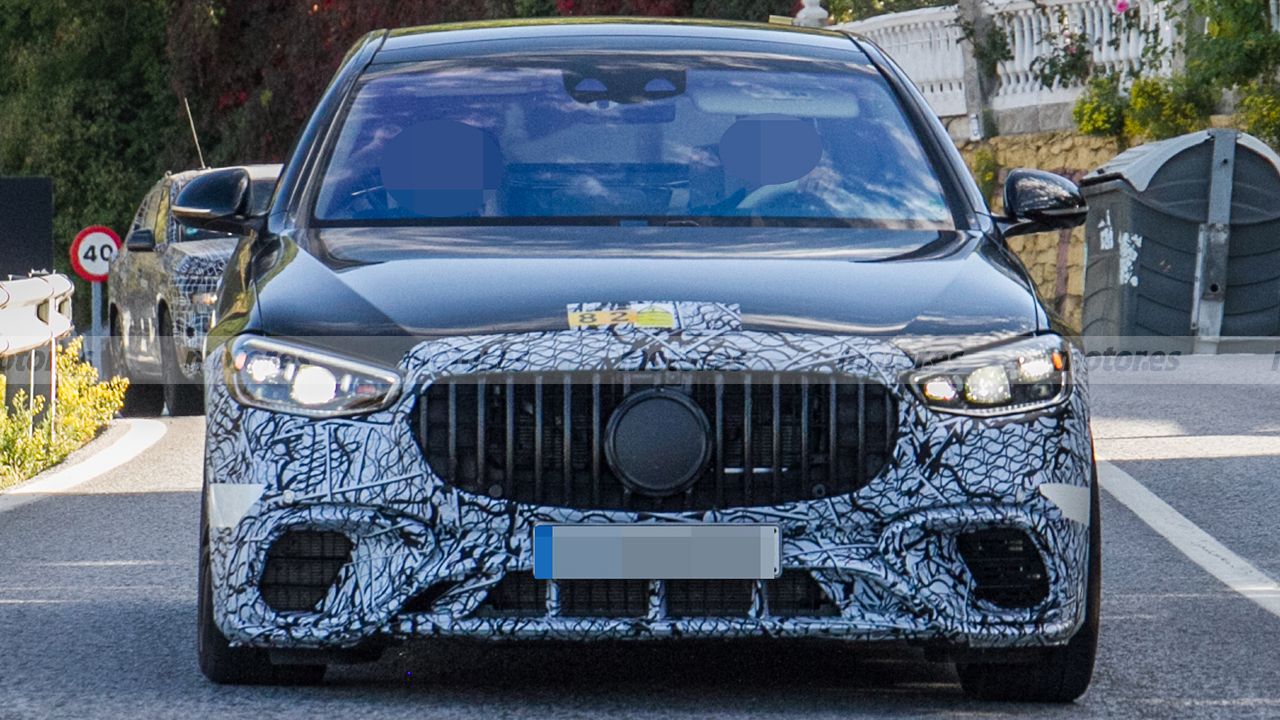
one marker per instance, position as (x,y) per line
(145,217)
(162,222)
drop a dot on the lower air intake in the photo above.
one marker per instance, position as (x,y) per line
(301,567)
(1006,566)
(794,594)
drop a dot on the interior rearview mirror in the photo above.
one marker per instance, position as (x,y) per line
(1036,201)
(218,200)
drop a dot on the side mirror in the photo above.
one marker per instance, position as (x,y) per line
(217,200)
(1036,201)
(141,241)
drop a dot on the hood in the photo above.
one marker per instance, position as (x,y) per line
(830,281)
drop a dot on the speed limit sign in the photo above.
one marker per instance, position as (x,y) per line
(92,252)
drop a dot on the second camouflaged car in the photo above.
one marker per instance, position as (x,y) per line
(161,293)
(636,330)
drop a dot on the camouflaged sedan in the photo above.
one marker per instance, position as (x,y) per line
(643,331)
(160,297)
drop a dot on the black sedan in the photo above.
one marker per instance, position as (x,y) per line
(638,330)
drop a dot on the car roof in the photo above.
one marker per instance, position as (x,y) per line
(407,44)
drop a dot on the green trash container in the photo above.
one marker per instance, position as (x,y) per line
(1183,246)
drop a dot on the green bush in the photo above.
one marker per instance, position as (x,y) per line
(1166,107)
(1101,108)
(1260,111)
(30,443)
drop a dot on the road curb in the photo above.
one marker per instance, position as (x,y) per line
(123,441)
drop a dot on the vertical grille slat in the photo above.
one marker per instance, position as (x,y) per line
(804,432)
(453,432)
(537,436)
(595,439)
(509,472)
(862,434)
(567,455)
(776,441)
(890,429)
(481,405)
(748,461)
(833,437)
(719,439)
(768,431)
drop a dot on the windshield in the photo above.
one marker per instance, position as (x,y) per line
(629,139)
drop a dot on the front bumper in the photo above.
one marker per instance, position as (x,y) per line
(884,556)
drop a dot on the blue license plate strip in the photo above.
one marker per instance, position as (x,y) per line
(656,552)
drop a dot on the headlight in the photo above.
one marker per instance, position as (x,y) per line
(281,376)
(1015,378)
(205,298)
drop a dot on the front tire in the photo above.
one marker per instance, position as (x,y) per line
(140,399)
(181,396)
(1060,674)
(226,665)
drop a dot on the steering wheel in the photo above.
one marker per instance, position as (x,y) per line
(785,200)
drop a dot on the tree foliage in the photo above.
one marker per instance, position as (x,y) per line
(849,10)
(1237,45)
(91,93)
(253,70)
(84,99)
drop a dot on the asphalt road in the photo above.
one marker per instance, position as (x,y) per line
(97,600)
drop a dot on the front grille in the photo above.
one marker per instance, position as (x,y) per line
(794,594)
(1006,566)
(301,567)
(538,438)
(516,594)
(708,598)
(604,598)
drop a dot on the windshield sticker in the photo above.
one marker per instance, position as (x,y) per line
(654,315)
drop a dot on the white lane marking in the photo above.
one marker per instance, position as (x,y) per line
(1199,546)
(102,563)
(1188,447)
(141,435)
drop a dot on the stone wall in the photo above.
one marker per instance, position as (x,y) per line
(1055,260)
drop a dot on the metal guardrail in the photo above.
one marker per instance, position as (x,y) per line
(35,313)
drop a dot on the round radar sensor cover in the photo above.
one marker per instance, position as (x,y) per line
(658,442)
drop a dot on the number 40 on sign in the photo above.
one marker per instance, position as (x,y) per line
(92,252)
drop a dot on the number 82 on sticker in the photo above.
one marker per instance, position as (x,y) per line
(658,316)
(601,318)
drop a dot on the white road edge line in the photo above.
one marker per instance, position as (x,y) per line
(140,436)
(1199,546)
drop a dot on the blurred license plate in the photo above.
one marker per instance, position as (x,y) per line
(655,552)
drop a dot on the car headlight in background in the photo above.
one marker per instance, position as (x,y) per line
(1019,377)
(276,375)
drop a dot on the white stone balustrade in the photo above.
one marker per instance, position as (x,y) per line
(1115,46)
(928,45)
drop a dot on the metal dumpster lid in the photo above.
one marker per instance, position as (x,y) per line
(1139,165)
